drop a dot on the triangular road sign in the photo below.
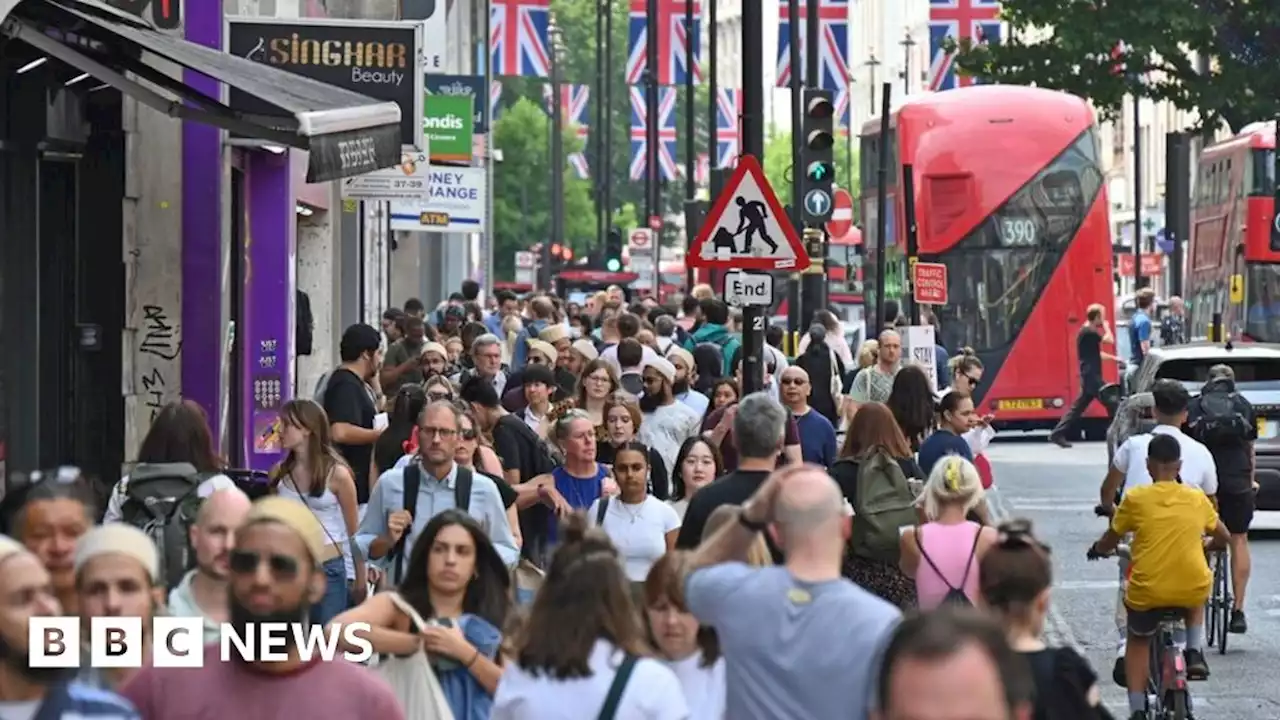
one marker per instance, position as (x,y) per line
(747,228)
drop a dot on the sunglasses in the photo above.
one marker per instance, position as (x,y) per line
(439,397)
(469,434)
(244,562)
(972,380)
(792,381)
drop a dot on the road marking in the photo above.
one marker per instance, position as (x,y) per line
(1111,585)
(1042,506)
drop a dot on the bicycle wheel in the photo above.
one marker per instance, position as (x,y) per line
(1222,591)
(1213,609)
(1176,707)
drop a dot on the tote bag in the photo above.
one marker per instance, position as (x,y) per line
(411,677)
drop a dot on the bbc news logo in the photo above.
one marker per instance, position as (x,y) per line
(178,642)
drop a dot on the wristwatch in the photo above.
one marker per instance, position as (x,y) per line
(748,523)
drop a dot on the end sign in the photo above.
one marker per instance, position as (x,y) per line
(930,282)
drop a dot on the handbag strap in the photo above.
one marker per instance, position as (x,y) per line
(403,606)
(619,685)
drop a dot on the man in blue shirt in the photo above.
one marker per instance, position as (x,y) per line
(1140,326)
(817,435)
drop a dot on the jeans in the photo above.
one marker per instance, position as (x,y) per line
(336,596)
(1089,388)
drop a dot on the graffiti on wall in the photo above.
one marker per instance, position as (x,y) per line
(159,349)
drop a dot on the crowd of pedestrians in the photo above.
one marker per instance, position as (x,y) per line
(550,510)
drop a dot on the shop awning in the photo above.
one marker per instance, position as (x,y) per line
(346,133)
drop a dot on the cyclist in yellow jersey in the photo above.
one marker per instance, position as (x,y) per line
(1168,568)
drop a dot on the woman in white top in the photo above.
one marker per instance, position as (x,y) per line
(966,374)
(313,473)
(698,464)
(641,526)
(583,642)
(691,651)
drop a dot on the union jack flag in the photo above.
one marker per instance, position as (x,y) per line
(518,41)
(574,110)
(728,133)
(666,133)
(495,100)
(833,56)
(974,20)
(673,42)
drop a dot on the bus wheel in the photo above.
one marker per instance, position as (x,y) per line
(1095,430)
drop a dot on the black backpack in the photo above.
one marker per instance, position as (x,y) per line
(412,484)
(1220,420)
(955,596)
(161,500)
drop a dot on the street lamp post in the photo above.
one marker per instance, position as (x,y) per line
(907,43)
(556,233)
(872,63)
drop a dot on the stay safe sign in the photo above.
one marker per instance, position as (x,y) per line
(747,228)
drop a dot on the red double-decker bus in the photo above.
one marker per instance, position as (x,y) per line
(1231,217)
(1009,196)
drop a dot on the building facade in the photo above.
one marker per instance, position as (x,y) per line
(145,258)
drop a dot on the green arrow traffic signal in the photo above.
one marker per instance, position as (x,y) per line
(819,171)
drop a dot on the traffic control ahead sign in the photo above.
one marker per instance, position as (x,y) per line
(747,228)
(930,282)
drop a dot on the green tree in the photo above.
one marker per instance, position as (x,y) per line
(521,182)
(1074,46)
(777,164)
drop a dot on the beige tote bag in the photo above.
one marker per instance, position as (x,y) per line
(411,677)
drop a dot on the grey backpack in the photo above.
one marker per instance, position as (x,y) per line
(162,500)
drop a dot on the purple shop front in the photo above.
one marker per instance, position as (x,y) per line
(266,329)
(202,174)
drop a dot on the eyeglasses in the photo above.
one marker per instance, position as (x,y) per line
(598,378)
(438,432)
(439,397)
(283,567)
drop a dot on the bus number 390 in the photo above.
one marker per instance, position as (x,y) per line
(1018,231)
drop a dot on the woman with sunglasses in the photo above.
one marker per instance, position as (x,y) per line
(473,454)
(313,473)
(966,375)
(456,582)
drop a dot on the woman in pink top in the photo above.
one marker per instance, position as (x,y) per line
(942,555)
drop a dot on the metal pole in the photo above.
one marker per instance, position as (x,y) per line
(907,43)
(653,165)
(606,174)
(691,147)
(797,153)
(557,162)
(1137,195)
(753,144)
(874,320)
(489,162)
(597,138)
(812,43)
(872,63)
(813,286)
(713,134)
(913,240)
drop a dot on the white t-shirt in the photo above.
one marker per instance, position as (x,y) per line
(652,693)
(703,686)
(1198,469)
(638,531)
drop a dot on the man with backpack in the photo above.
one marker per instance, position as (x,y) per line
(715,331)
(405,500)
(1224,421)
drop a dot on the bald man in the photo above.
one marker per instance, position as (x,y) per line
(817,434)
(803,641)
(875,382)
(203,592)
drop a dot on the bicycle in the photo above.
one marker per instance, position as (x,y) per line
(1220,603)
(1168,697)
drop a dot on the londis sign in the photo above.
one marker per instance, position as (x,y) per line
(376,59)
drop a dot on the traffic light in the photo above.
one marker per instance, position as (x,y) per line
(613,251)
(817,155)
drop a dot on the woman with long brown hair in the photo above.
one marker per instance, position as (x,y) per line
(691,650)
(583,645)
(874,436)
(599,381)
(313,473)
(622,420)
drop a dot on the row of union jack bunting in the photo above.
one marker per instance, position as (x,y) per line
(519,47)
(575,113)
(519,42)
